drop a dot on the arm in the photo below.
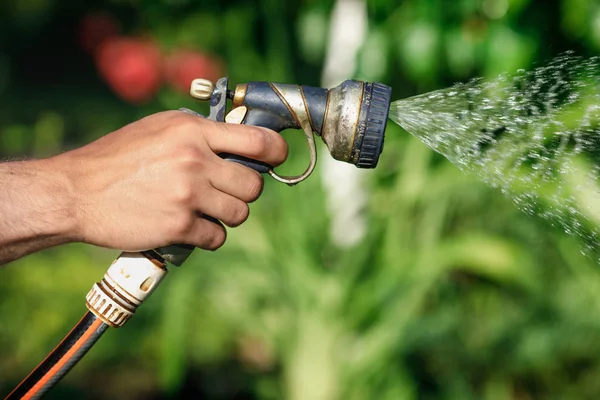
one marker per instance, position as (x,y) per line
(36,208)
(144,186)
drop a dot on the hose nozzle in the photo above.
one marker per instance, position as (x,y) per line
(350,118)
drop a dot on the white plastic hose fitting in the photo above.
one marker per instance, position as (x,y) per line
(131,278)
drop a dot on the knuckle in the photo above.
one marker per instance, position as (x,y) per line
(162,116)
(182,124)
(254,187)
(181,226)
(177,119)
(188,155)
(217,239)
(258,141)
(183,193)
(239,215)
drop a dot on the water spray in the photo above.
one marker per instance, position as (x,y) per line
(350,118)
(533,134)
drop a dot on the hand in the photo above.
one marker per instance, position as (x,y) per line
(148,184)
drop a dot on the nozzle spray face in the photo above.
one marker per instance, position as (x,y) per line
(355,121)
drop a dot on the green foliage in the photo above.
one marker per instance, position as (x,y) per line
(453,294)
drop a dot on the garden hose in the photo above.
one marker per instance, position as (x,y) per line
(60,361)
(131,278)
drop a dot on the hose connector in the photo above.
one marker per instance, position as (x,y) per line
(131,278)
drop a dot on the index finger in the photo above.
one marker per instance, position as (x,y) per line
(254,142)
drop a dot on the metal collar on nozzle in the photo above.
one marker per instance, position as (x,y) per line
(355,122)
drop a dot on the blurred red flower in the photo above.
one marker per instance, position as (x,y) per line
(131,67)
(95,28)
(183,66)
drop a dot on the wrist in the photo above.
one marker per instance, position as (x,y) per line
(55,191)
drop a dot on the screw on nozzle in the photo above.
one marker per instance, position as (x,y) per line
(202,89)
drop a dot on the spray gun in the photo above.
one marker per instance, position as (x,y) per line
(350,118)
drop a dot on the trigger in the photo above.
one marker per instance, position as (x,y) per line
(237,115)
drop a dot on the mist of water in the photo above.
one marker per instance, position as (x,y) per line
(534,134)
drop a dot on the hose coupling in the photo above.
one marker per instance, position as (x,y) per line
(131,278)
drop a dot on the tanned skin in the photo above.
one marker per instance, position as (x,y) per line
(144,186)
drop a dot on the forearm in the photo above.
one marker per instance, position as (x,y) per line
(36,208)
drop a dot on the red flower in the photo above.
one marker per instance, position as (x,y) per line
(131,67)
(95,28)
(183,66)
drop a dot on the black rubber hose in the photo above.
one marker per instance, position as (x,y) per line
(60,361)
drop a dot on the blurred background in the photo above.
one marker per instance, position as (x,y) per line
(412,281)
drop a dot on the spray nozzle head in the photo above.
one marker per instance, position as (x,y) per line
(355,122)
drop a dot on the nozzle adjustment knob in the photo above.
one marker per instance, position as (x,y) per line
(372,120)
(202,89)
